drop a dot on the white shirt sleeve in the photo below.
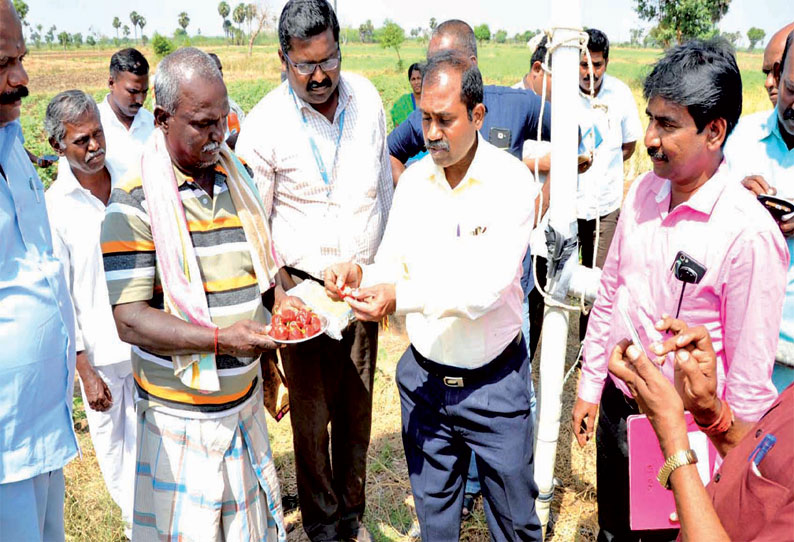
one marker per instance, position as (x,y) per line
(630,123)
(61,252)
(251,149)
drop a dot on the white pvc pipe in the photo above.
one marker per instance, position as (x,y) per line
(565,16)
(585,282)
(552,367)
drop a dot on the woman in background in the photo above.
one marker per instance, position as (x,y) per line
(406,104)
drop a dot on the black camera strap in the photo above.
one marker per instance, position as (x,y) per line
(680,299)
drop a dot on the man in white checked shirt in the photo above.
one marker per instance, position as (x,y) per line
(317,146)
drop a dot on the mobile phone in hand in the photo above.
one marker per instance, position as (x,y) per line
(777,207)
(633,335)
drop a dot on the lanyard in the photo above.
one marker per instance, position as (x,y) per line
(318,158)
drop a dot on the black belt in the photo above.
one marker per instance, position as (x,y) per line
(457,377)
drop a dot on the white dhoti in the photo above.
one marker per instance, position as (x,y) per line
(114,433)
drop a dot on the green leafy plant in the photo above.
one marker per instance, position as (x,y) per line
(161,45)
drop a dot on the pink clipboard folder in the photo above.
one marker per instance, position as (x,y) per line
(651,506)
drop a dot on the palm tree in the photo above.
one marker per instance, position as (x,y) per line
(239,15)
(116,25)
(141,23)
(183,20)
(227,27)
(134,20)
(223,11)
(250,15)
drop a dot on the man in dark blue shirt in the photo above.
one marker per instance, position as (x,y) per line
(512,114)
(512,117)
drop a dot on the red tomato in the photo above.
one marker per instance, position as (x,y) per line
(303,318)
(316,321)
(276,320)
(295,334)
(279,332)
(314,328)
(288,315)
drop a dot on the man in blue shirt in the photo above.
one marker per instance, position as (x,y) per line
(512,114)
(760,153)
(37,325)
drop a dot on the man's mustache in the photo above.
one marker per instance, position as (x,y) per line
(91,155)
(315,85)
(439,145)
(14,95)
(657,154)
(211,147)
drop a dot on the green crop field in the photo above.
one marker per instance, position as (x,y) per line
(249,78)
(91,514)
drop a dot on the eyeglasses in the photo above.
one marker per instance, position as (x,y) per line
(307,68)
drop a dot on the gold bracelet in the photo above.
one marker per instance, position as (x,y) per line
(678,459)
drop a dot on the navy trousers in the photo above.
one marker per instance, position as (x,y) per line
(442,426)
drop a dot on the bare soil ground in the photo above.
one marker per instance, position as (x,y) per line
(92,515)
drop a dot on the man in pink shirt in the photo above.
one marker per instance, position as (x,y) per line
(730,276)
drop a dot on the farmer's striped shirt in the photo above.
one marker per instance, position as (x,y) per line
(229,279)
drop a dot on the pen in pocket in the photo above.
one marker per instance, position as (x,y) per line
(759,452)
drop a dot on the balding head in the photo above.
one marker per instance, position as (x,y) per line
(183,65)
(13,77)
(772,54)
(191,106)
(453,35)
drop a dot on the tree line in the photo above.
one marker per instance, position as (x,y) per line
(673,23)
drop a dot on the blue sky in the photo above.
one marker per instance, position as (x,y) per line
(615,17)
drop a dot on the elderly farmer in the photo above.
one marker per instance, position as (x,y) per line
(190,268)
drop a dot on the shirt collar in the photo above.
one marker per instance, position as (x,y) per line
(182,178)
(136,120)
(67,181)
(703,201)
(474,175)
(771,127)
(8,134)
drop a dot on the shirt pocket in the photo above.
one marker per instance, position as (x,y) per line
(758,501)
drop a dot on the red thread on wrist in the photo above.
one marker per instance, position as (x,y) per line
(216,340)
(722,423)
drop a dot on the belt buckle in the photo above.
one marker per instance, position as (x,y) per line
(453,381)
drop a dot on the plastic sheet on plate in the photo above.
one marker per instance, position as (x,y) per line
(338,313)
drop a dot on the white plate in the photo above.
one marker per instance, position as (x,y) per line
(323,327)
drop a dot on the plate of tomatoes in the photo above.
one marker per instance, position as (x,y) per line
(292,326)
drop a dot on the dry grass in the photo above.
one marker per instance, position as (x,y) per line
(92,515)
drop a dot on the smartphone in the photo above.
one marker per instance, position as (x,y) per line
(777,207)
(50,157)
(635,337)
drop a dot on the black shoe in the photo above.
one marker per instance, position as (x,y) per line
(289,503)
(362,535)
